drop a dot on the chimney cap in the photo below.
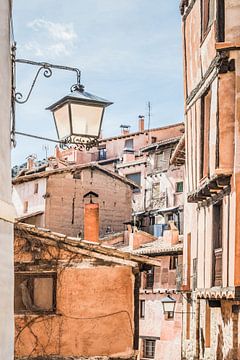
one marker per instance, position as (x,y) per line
(141,116)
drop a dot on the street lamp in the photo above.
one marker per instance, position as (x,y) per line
(168,304)
(78,116)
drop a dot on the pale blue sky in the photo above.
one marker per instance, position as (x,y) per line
(129,52)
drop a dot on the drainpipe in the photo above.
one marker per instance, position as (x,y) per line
(137,283)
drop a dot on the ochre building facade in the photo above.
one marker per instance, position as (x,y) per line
(211,40)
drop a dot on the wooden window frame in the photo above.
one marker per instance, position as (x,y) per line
(146,344)
(150,278)
(142,308)
(36,188)
(129,141)
(173,262)
(204,131)
(177,190)
(30,277)
(25,206)
(206,19)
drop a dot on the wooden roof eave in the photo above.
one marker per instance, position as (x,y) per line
(103,252)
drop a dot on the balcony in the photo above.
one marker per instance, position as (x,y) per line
(213,189)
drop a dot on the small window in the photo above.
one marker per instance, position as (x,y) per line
(173,262)
(207,15)
(25,206)
(34,292)
(142,309)
(136,177)
(156,191)
(161,163)
(179,187)
(35,188)
(150,278)
(149,348)
(102,154)
(154,139)
(128,144)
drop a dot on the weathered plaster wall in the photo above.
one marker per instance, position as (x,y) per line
(25,192)
(94,307)
(224,335)
(6,208)
(232,26)
(114,200)
(167,332)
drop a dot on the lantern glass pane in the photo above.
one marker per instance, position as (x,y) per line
(62,121)
(86,119)
(168,306)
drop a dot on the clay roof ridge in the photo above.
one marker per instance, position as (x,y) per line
(72,168)
(89,248)
(162,142)
(141,132)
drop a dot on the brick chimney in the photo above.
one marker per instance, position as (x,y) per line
(30,162)
(140,123)
(57,152)
(125,129)
(91,222)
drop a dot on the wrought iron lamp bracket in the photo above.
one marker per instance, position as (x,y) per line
(17,97)
(44,67)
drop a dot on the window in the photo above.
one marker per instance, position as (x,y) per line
(160,162)
(154,139)
(35,188)
(179,187)
(156,191)
(149,348)
(217,225)
(35,292)
(128,144)
(173,262)
(205,126)
(142,309)
(102,154)
(150,278)
(220,20)
(25,206)
(207,16)
(136,177)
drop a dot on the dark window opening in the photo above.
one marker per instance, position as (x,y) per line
(149,348)
(220,20)
(217,225)
(179,187)
(102,154)
(25,206)
(217,243)
(173,262)
(207,16)
(35,293)
(205,126)
(142,309)
(154,139)
(136,177)
(36,188)
(150,278)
